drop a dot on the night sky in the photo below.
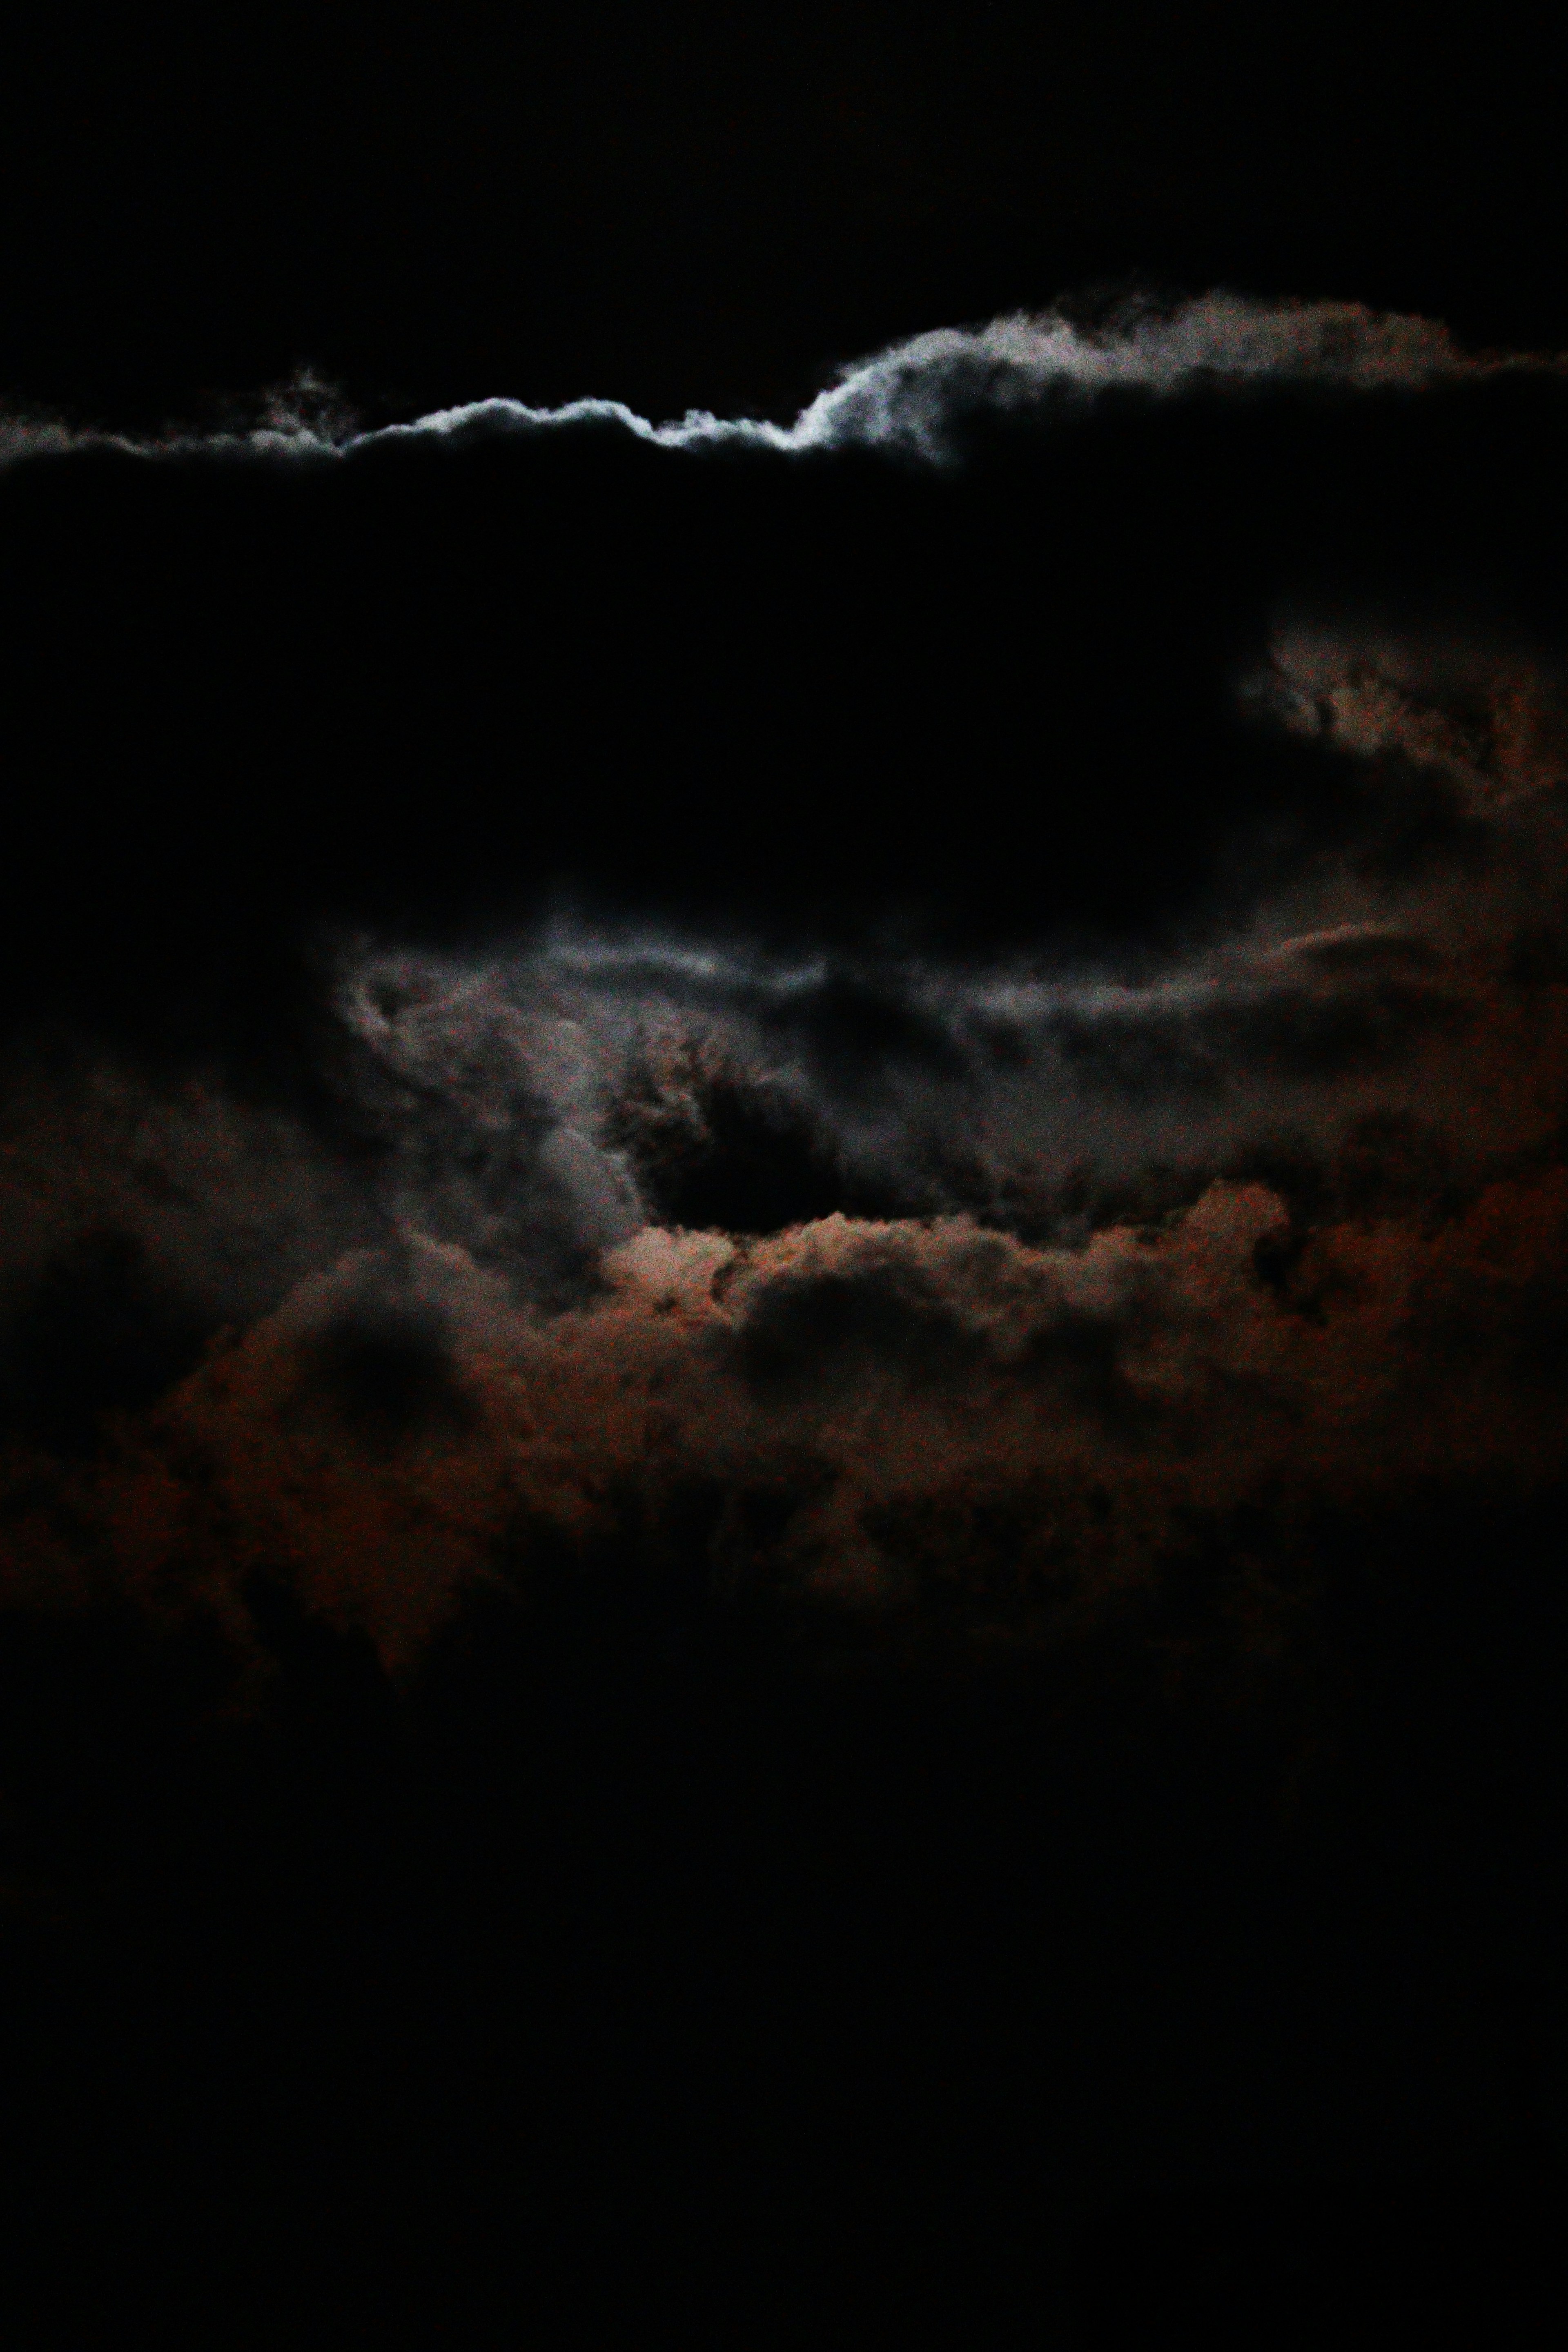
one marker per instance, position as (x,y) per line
(784,1179)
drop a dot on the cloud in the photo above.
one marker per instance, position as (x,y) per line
(917,396)
(881,1282)
(920,1039)
(437,683)
(400,1429)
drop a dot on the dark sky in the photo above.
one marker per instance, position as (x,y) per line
(713,206)
(783,1216)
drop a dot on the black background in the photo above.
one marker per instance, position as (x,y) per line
(653,1967)
(717,205)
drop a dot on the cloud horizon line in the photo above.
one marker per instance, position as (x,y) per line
(910,397)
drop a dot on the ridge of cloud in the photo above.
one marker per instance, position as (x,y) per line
(914,397)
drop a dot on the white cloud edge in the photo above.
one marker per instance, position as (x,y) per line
(909,397)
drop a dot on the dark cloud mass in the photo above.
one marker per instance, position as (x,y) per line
(942,1029)
(1026,899)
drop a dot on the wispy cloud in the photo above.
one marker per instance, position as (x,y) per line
(915,397)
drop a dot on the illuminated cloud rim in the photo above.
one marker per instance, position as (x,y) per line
(913,397)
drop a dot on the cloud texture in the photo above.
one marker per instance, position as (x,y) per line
(915,397)
(928,1009)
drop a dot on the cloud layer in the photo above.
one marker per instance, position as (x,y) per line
(916,397)
(930,1035)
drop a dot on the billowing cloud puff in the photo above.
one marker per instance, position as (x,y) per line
(873,1413)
